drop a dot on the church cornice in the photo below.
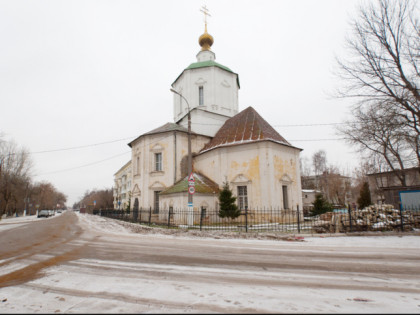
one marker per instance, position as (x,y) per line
(206,64)
(202,110)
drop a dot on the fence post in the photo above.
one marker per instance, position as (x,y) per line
(246,219)
(298,221)
(150,216)
(401,215)
(349,209)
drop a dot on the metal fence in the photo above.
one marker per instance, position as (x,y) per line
(275,220)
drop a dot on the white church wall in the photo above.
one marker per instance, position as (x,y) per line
(146,179)
(178,202)
(204,123)
(263,167)
(220,90)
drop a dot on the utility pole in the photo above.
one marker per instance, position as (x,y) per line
(190,174)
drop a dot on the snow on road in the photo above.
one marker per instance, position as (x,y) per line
(108,286)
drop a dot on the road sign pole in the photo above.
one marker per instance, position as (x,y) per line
(191,191)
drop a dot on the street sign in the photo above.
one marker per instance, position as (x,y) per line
(190,204)
(191,178)
(94,202)
(191,183)
(191,190)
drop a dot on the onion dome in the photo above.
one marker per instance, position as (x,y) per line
(205,40)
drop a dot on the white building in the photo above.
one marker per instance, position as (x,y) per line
(122,187)
(261,167)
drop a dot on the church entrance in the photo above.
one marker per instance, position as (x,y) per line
(136,209)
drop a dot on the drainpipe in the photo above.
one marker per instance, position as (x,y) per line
(174,157)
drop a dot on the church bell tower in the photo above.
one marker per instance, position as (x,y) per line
(210,88)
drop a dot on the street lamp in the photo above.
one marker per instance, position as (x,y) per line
(190,196)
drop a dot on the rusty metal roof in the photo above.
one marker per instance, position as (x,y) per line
(245,127)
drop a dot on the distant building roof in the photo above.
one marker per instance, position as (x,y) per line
(122,168)
(203,185)
(245,127)
(411,169)
(310,191)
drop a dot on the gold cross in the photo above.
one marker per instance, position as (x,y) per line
(206,12)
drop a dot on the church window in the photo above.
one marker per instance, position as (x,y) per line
(138,164)
(285,198)
(242,197)
(200,95)
(158,161)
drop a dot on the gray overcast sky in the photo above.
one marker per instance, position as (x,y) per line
(83,73)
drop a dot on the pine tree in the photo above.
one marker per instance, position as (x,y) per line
(321,205)
(228,208)
(364,198)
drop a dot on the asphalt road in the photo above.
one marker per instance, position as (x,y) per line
(64,264)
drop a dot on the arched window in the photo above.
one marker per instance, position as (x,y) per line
(200,95)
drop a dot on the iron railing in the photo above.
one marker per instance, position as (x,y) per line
(275,220)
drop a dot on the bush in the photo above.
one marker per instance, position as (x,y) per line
(364,199)
(321,205)
(228,208)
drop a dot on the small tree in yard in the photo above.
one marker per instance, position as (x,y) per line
(364,199)
(228,208)
(321,205)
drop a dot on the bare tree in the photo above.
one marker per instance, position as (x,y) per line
(16,188)
(15,166)
(46,196)
(380,136)
(305,173)
(319,162)
(382,75)
(335,185)
(104,199)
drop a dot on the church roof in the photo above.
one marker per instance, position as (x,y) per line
(203,185)
(245,127)
(165,128)
(208,63)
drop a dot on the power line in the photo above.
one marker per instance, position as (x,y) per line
(128,138)
(289,125)
(97,162)
(90,164)
(80,147)
(332,139)
(311,125)
(123,139)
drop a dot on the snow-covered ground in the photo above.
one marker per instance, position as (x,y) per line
(140,287)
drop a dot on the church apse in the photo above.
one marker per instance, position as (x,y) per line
(284,166)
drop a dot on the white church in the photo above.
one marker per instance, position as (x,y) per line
(227,145)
